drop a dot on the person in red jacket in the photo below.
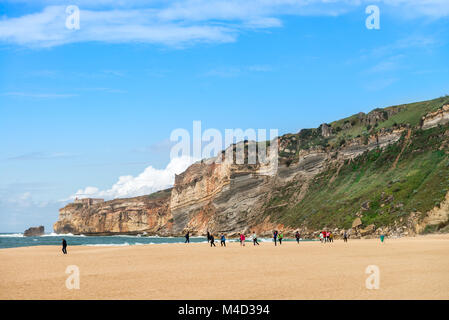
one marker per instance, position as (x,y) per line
(242,239)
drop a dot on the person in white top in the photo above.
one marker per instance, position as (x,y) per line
(255,239)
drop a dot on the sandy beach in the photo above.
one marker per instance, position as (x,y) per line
(410,268)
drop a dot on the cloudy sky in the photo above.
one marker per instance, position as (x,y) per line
(90,111)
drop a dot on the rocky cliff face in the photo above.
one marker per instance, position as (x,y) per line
(120,216)
(438,117)
(231,198)
(220,197)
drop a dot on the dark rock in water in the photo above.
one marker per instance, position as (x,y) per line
(34,231)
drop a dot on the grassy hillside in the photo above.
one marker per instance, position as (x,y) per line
(369,185)
(357,126)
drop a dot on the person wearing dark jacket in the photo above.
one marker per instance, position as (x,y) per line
(187,237)
(212,240)
(64,246)
(297,236)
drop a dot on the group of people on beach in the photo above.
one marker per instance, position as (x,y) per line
(326,236)
(242,239)
(277,237)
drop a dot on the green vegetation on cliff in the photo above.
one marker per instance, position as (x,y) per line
(363,125)
(382,185)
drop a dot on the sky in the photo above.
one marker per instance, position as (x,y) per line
(89,111)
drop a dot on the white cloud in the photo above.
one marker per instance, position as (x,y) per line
(149,181)
(387,65)
(179,23)
(39,95)
(413,8)
(47,28)
(380,84)
(233,71)
(25,200)
(43,156)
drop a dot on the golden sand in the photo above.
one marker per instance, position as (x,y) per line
(410,268)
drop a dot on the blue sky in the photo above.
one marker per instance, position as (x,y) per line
(82,108)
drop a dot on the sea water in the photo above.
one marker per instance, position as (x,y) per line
(13,240)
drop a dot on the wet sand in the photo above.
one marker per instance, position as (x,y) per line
(410,268)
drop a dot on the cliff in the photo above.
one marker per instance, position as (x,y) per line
(388,168)
(120,216)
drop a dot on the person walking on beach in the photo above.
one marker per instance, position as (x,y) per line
(208,236)
(255,238)
(212,240)
(223,240)
(321,237)
(275,237)
(187,237)
(331,237)
(297,236)
(280,237)
(64,246)
(242,239)
(345,237)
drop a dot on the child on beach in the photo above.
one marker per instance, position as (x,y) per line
(242,239)
(255,238)
(280,237)
(223,240)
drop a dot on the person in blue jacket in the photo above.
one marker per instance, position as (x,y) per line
(223,240)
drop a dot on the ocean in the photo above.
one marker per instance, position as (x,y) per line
(14,240)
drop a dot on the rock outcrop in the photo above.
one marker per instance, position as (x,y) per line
(326,130)
(34,231)
(433,119)
(436,216)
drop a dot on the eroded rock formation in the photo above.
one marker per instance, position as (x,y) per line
(433,119)
(222,196)
(34,231)
(120,216)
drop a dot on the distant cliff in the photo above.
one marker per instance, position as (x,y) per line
(388,170)
(120,216)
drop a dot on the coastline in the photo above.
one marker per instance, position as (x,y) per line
(410,268)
